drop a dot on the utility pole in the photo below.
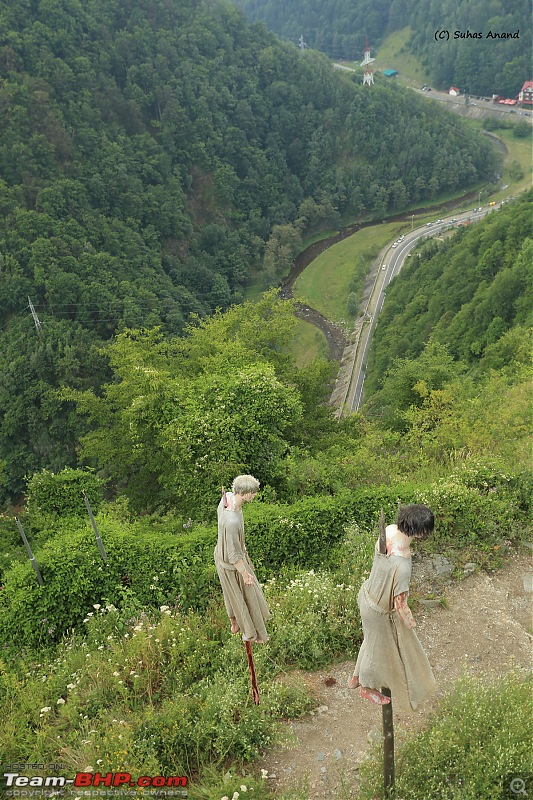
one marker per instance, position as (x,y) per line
(38,325)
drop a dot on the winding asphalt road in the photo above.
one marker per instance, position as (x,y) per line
(391,260)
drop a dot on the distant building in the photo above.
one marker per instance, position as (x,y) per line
(390,73)
(453,91)
(525,95)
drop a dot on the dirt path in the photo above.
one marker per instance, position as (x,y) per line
(484,629)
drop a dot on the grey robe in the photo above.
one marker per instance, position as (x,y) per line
(391,655)
(246,603)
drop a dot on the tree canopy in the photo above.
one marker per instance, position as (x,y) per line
(155,155)
(465,302)
(482,65)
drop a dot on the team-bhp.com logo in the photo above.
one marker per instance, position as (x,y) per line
(93,779)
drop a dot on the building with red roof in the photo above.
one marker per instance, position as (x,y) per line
(525,95)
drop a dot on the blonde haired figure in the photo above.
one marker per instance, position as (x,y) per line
(243,597)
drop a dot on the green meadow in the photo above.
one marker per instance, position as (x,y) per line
(393,54)
(327,282)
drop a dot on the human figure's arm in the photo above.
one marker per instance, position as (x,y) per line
(248,577)
(404,612)
(236,556)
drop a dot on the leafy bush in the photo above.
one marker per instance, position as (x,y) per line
(149,567)
(61,494)
(155,568)
(479,741)
(306,533)
(315,618)
(465,514)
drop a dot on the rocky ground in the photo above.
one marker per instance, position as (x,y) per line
(480,625)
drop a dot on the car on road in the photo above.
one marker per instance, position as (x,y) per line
(384,266)
(428,224)
(395,244)
(453,220)
(439,220)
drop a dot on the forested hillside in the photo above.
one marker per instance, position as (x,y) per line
(150,154)
(338,29)
(477,65)
(483,65)
(459,309)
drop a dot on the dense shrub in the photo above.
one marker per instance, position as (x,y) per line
(306,533)
(467,514)
(61,494)
(153,568)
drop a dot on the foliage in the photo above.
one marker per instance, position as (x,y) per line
(465,293)
(306,533)
(149,161)
(168,692)
(151,568)
(466,515)
(479,505)
(337,31)
(148,566)
(477,65)
(482,65)
(184,415)
(62,494)
(475,744)
(453,314)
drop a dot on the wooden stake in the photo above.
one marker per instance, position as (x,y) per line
(93,522)
(251,667)
(388,723)
(388,746)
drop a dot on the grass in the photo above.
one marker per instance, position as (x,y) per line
(329,279)
(393,54)
(519,150)
(473,748)
(309,343)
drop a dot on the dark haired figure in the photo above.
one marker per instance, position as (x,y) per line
(391,655)
(243,597)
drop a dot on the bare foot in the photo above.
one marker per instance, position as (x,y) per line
(353,683)
(234,626)
(374,696)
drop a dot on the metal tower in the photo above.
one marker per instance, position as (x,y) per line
(368,76)
(38,326)
(301,44)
